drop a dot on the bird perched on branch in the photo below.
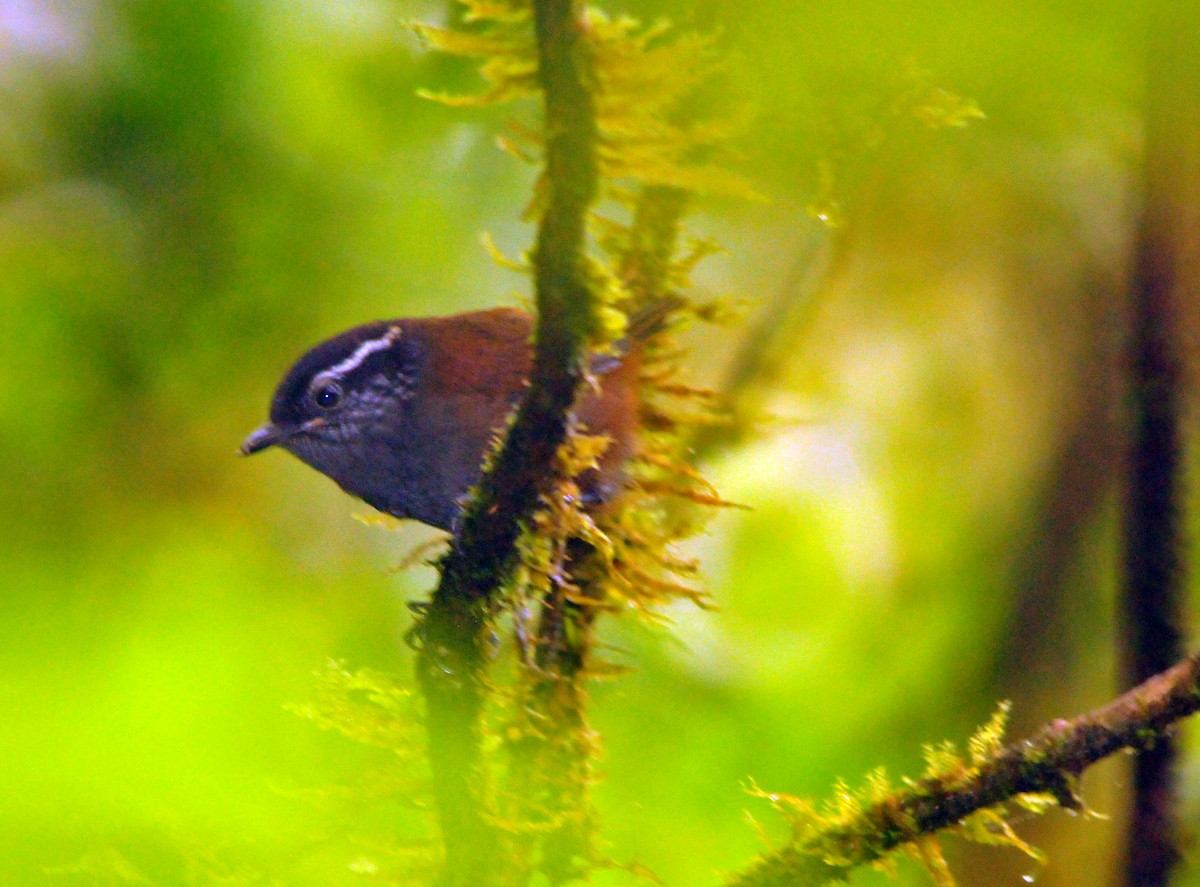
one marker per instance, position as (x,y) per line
(401,413)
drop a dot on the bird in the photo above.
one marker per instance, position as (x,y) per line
(401,413)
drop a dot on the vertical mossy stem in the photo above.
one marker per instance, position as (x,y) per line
(451,635)
(551,754)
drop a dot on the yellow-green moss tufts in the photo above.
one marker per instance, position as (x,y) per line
(871,824)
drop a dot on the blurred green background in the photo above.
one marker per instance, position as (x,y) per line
(193,193)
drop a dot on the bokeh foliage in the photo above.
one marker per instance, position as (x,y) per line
(190,194)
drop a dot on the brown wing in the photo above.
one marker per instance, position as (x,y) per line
(481,353)
(479,364)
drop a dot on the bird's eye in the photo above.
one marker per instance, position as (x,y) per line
(327,396)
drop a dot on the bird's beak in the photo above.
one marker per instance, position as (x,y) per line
(261,439)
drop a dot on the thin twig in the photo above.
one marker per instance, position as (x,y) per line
(773,337)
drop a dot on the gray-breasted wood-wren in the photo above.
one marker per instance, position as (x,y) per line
(401,413)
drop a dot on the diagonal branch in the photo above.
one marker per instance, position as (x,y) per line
(452,656)
(1048,761)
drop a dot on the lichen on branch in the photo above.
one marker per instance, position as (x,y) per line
(451,655)
(865,827)
(644,81)
(615,124)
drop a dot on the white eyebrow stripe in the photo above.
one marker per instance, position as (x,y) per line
(361,353)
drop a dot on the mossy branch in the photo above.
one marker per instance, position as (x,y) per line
(552,746)
(1050,762)
(451,656)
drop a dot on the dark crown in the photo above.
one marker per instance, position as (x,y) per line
(359,353)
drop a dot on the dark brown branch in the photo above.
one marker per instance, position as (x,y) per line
(1048,761)
(451,658)
(1152,602)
